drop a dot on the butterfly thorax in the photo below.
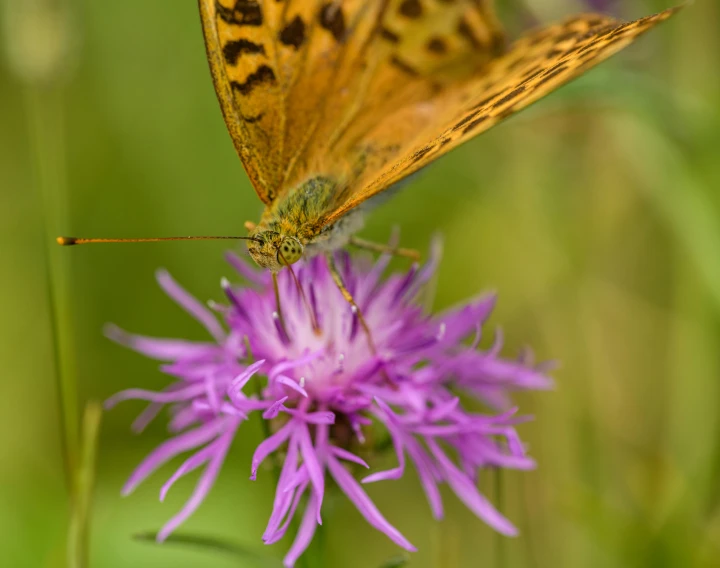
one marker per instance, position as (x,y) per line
(293,227)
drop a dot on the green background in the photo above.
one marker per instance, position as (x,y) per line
(595,214)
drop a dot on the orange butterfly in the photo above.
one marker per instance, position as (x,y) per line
(330,104)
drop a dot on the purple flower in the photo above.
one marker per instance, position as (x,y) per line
(320,390)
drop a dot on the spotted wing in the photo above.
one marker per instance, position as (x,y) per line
(383,54)
(243,63)
(292,75)
(395,144)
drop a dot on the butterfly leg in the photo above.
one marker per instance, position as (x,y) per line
(337,278)
(249,226)
(385,249)
(279,311)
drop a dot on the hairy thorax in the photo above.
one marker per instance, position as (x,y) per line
(293,226)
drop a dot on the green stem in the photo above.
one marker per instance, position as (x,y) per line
(45,112)
(500,553)
(79,532)
(530,560)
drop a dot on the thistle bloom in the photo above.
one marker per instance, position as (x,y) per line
(320,389)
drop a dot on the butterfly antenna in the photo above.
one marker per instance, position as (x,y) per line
(313,319)
(70,241)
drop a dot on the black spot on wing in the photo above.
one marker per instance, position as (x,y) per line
(233,49)
(411,8)
(404,66)
(597,31)
(553,53)
(420,154)
(498,44)
(467,33)
(515,63)
(436,45)
(243,13)
(509,97)
(293,34)
(532,73)
(464,121)
(564,37)
(484,102)
(263,74)
(587,55)
(475,123)
(389,35)
(587,47)
(557,70)
(253,119)
(333,20)
(622,29)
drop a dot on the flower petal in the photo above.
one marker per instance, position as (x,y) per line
(314,469)
(146,416)
(190,464)
(305,532)
(164,397)
(234,391)
(190,305)
(397,472)
(319,417)
(465,489)
(269,445)
(461,321)
(170,449)
(204,484)
(282,500)
(277,534)
(288,382)
(157,348)
(363,503)
(423,466)
(245,270)
(345,455)
(292,364)
(275,409)
(441,410)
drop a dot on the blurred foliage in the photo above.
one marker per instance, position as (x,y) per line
(595,215)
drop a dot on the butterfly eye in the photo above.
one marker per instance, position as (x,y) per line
(289,251)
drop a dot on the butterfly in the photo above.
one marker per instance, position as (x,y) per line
(331,103)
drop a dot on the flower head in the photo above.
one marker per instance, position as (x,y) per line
(315,378)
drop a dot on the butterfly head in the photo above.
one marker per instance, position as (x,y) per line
(273,250)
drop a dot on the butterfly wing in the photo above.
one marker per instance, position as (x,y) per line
(368,92)
(392,53)
(291,76)
(243,59)
(404,140)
